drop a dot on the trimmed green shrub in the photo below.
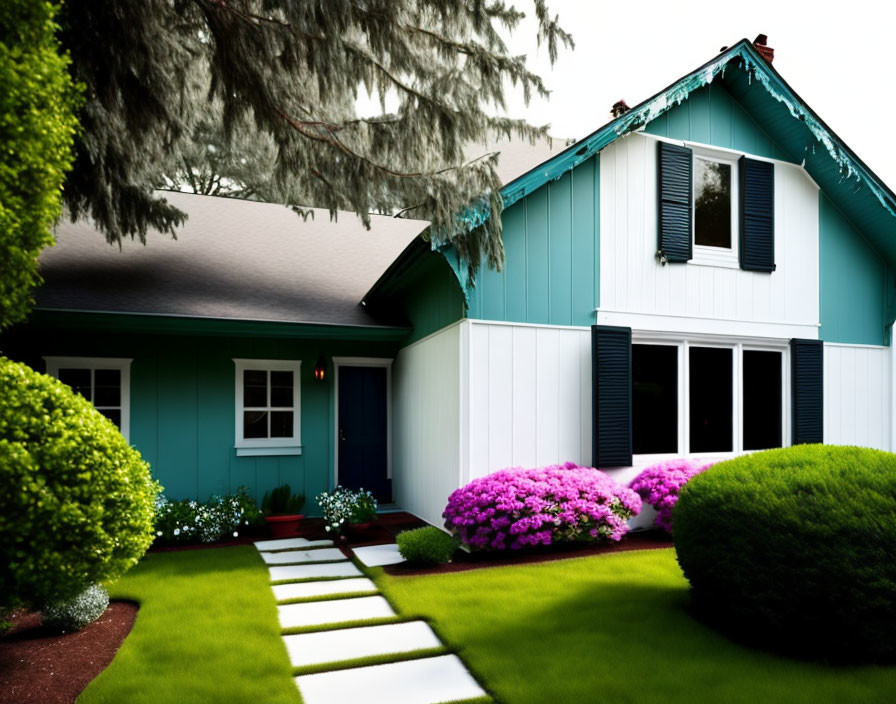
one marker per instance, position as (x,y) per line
(74,614)
(37,129)
(796,548)
(426,546)
(76,500)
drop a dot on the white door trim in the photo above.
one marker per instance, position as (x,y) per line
(362,362)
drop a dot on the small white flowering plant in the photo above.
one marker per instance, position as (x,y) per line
(188,521)
(343,507)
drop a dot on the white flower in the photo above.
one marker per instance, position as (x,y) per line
(177,531)
(159,533)
(328,529)
(235,534)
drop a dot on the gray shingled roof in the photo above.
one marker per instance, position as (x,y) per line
(233,259)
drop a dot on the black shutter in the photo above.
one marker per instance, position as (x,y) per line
(757,215)
(807,390)
(611,396)
(676,190)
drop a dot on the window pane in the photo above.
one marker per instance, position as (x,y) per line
(710,399)
(78,379)
(712,203)
(654,399)
(255,424)
(107,387)
(255,388)
(113,414)
(281,424)
(281,389)
(762,400)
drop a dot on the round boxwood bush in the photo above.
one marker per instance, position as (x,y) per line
(74,614)
(426,546)
(796,548)
(76,500)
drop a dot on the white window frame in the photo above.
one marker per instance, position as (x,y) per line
(684,416)
(704,255)
(123,365)
(268,446)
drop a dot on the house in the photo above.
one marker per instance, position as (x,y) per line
(709,273)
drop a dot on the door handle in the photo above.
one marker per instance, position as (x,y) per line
(341,435)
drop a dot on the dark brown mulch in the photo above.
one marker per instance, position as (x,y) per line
(38,667)
(463,561)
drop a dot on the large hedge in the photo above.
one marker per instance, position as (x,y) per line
(76,500)
(796,548)
(37,129)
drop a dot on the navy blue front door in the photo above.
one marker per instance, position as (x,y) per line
(363,429)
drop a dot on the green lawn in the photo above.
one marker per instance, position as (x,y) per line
(610,628)
(207,631)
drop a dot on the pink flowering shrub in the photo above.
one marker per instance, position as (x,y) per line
(659,485)
(516,508)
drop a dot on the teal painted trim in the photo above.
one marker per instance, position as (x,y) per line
(552,251)
(177,325)
(852,282)
(711,115)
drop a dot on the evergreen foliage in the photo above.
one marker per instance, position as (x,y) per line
(796,548)
(74,614)
(37,129)
(292,72)
(426,546)
(76,500)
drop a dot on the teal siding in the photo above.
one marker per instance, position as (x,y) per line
(712,116)
(182,404)
(551,246)
(852,283)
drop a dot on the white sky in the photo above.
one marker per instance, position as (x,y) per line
(838,58)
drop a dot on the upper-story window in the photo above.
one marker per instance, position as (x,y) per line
(715,208)
(103,381)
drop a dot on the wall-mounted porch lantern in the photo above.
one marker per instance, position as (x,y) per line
(320,370)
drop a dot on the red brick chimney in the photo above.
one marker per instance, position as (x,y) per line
(765,51)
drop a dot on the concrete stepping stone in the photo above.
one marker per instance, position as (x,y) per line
(297,556)
(349,643)
(329,569)
(288,543)
(379,555)
(424,681)
(316,613)
(310,590)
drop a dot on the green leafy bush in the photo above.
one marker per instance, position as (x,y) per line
(74,614)
(426,546)
(282,502)
(76,500)
(796,547)
(365,507)
(37,130)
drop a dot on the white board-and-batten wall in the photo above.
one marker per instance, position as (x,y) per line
(481,395)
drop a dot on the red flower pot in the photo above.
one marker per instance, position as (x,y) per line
(284,526)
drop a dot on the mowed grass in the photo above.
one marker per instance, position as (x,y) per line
(612,628)
(207,631)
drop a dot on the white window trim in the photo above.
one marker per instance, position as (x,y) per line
(717,256)
(268,446)
(362,362)
(54,364)
(684,415)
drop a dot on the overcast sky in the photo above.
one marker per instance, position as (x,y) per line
(838,60)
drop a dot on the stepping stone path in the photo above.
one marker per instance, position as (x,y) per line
(328,581)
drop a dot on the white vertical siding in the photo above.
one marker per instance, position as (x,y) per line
(530,396)
(857,390)
(635,285)
(426,400)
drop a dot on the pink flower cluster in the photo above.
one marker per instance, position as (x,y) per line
(659,485)
(516,508)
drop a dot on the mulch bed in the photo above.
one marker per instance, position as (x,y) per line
(463,561)
(39,667)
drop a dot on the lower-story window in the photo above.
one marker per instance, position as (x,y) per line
(267,406)
(103,381)
(706,398)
